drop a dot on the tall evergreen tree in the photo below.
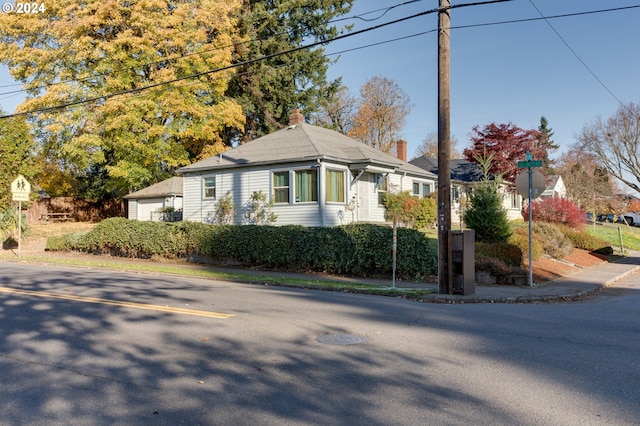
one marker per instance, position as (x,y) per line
(545,138)
(270,89)
(486,214)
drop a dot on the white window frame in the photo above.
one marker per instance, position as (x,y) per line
(344,185)
(273,187)
(205,187)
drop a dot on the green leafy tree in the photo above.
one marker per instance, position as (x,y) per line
(17,155)
(485,213)
(78,51)
(270,89)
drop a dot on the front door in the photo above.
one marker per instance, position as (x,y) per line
(365,184)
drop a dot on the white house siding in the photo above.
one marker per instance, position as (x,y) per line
(243,182)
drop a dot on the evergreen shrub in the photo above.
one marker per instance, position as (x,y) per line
(354,249)
(508,253)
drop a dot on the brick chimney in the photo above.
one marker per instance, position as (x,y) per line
(401,149)
(296,117)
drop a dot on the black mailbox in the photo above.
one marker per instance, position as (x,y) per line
(462,263)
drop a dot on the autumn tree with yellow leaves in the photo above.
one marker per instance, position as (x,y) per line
(382,112)
(137,81)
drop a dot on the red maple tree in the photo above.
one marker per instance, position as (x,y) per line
(508,144)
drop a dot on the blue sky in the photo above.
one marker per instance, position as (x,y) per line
(503,73)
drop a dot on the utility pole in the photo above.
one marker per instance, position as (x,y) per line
(444,148)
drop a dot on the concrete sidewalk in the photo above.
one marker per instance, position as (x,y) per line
(578,285)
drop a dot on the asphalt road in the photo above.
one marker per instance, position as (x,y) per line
(98,347)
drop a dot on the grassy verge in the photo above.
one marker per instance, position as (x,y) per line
(630,235)
(248,278)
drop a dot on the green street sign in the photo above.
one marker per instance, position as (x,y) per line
(530,163)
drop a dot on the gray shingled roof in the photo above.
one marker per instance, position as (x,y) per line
(304,142)
(169,187)
(461,170)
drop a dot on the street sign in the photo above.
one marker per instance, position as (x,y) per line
(20,196)
(20,185)
(538,184)
(530,163)
(20,190)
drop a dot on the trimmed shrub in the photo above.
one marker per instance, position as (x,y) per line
(557,210)
(586,241)
(495,267)
(554,242)
(355,249)
(520,238)
(508,253)
(65,242)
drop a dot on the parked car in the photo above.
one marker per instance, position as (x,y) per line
(632,218)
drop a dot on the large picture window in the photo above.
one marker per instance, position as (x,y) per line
(209,187)
(306,185)
(335,186)
(281,187)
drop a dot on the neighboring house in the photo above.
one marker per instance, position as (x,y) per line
(555,188)
(145,204)
(464,176)
(315,177)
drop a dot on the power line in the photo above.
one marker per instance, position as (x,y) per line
(576,54)
(199,52)
(247,62)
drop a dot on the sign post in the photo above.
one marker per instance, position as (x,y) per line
(539,187)
(20,190)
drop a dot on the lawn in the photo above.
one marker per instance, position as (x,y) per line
(610,233)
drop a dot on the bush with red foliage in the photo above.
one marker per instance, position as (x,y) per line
(557,210)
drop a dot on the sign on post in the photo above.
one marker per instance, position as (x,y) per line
(526,185)
(20,190)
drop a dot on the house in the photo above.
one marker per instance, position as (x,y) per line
(555,188)
(314,176)
(464,176)
(147,203)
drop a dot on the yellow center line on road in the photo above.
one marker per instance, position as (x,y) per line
(123,304)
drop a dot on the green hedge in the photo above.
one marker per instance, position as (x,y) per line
(356,249)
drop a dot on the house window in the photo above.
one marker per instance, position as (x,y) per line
(383,187)
(515,201)
(426,189)
(306,185)
(335,186)
(416,189)
(209,187)
(281,187)
(455,193)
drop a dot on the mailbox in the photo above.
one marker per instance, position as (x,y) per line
(462,263)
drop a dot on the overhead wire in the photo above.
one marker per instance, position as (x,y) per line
(199,52)
(584,64)
(242,63)
(322,42)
